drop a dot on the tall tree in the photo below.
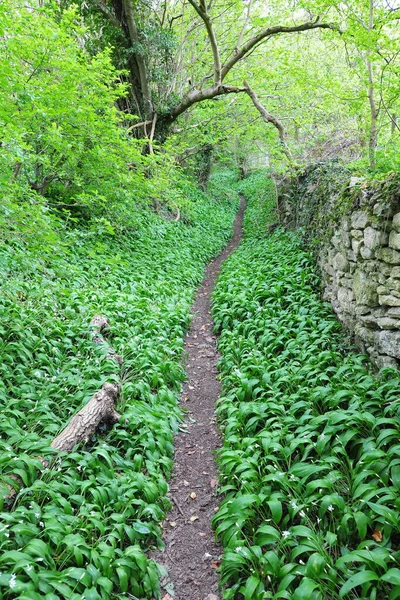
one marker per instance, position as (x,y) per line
(245,35)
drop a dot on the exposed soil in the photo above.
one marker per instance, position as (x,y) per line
(191,555)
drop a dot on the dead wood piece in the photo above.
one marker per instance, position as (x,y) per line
(100,409)
(101,325)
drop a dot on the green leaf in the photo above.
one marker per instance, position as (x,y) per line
(253,584)
(392,576)
(305,589)
(359,579)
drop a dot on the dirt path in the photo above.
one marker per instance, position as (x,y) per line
(191,555)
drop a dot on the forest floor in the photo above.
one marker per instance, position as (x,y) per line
(191,555)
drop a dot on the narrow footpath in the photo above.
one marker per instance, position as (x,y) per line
(191,555)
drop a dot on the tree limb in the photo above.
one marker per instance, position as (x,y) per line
(203,14)
(268,118)
(246,22)
(267,33)
(107,14)
(134,39)
(195,96)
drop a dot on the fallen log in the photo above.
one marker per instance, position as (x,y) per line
(99,325)
(99,410)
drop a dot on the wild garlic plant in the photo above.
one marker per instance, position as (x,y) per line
(80,527)
(310,464)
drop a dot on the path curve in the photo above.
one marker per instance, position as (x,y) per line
(191,555)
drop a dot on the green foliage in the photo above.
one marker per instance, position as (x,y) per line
(81,527)
(310,461)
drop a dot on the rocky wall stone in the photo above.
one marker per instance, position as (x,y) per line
(353,228)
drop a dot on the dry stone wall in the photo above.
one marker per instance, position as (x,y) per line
(354,230)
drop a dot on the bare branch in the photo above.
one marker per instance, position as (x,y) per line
(203,14)
(268,118)
(141,124)
(153,128)
(246,22)
(267,33)
(196,96)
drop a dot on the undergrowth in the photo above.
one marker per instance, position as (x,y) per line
(81,527)
(310,465)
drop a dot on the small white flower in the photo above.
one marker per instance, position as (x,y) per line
(285,534)
(302,513)
(13,581)
(29,568)
(293,504)
(238,549)
(37,515)
(330,508)
(41,524)
(292,477)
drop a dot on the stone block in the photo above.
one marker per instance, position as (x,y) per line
(388,323)
(389,300)
(369,321)
(394,240)
(345,238)
(355,246)
(395,272)
(351,256)
(335,240)
(384,268)
(382,289)
(388,255)
(363,310)
(373,238)
(393,285)
(346,282)
(367,253)
(393,311)
(385,362)
(360,219)
(340,262)
(364,334)
(396,222)
(345,299)
(365,290)
(357,234)
(388,342)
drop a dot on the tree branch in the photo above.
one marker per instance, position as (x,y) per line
(246,22)
(134,39)
(203,14)
(267,33)
(107,14)
(195,96)
(268,118)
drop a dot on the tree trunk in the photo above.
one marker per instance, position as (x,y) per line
(373,132)
(100,409)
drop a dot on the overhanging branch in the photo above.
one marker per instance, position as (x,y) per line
(267,33)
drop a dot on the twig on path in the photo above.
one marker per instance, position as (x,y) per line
(174,500)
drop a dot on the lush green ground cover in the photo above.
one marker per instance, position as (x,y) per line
(80,528)
(310,466)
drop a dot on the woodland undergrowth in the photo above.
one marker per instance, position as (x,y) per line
(80,528)
(310,464)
